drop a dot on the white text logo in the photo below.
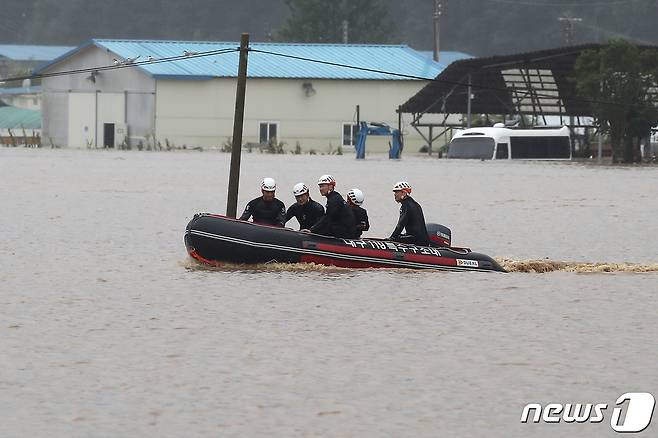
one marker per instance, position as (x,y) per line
(638,412)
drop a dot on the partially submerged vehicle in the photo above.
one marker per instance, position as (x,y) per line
(501,143)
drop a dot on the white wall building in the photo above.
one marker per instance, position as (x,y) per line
(191,100)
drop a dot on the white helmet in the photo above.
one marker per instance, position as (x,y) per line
(402,186)
(356,196)
(299,189)
(327,179)
(268,185)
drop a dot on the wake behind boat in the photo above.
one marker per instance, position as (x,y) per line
(215,239)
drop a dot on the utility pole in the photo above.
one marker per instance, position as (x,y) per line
(438,11)
(568,29)
(238,122)
(346,32)
(568,34)
(599,149)
(468,103)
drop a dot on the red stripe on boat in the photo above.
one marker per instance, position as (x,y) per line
(388,254)
(378,253)
(433,260)
(195,255)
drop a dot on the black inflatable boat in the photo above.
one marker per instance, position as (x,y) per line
(215,239)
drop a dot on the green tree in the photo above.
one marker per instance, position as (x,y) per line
(321,21)
(620,78)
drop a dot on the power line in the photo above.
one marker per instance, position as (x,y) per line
(613,33)
(124,64)
(189,55)
(454,83)
(337,64)
(10,27)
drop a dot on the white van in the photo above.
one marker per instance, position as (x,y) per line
(499,142)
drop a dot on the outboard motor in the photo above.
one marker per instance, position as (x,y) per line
(439,235)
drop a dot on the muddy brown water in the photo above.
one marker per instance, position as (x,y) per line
(108,329)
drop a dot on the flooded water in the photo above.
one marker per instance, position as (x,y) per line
(108,329)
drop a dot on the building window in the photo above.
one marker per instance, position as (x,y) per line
(350,133)
(269,131)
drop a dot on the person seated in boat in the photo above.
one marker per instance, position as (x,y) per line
(411,217)
(266,209)
(338,220)
(307,211)
(354,199)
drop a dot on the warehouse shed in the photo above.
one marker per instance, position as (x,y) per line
(304,94)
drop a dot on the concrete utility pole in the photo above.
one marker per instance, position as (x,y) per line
(568,29)
(568,33)
(438,10)
(346,31)
(468,103)
(599,148)
(238,121)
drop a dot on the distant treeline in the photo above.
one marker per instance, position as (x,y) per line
(480,27)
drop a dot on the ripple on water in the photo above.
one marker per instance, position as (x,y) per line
(543,266)
(511,265)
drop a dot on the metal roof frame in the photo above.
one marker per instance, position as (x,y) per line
(537,83)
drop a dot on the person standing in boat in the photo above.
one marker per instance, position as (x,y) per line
(354,199)
(266,209)
(338,220)
(307,211)
(411,217)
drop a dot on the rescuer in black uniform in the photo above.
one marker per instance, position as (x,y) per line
(411,218)
(354,199)
(338,220)
(307,211)
(266,209)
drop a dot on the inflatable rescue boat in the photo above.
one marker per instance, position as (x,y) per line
(215,239)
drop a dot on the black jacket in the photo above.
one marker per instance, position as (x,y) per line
(361,219)
(411,219)
(338,220)
(307,215)
(268,213)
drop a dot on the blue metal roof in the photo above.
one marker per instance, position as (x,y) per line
(399,59)
(18,52)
